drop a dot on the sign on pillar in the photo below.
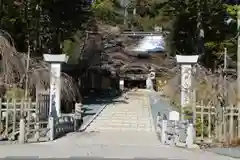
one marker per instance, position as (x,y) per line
(186,63)
(55,82)
(186,72)
(55,89)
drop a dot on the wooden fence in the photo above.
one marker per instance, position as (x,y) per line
(220,124)
(28,121)
(11,112)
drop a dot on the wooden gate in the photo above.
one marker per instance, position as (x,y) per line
(43,99)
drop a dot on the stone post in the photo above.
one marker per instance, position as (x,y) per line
(77,116)
(121,84)
(22,131)
(190,136)
(51,127)
(163,134)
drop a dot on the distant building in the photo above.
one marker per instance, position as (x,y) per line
(151,44)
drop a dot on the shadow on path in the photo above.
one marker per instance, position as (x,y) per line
(100,96)
(95,101)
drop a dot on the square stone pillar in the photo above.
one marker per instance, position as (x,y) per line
(186,63)
(55,82)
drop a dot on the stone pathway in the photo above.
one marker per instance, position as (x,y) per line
(125,122)
(132,115)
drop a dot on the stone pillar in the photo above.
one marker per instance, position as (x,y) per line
(121,84)
(149,84)
(51,132)
(186,77)
(163,130)
(22,131)
(55,82)
(190,136)
(149,80)
(78,116)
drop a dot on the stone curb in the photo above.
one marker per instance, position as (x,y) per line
(84,127)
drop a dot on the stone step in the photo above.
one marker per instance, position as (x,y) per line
(127,119)
(119,125)
(123,122)
(123,137)
(122,126)
(120,129)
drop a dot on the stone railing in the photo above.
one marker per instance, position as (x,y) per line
(67,123)
(175,132)
(56,126)
(60,126)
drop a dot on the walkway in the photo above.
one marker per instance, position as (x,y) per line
(127,122)
(133,114)
(94,103)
